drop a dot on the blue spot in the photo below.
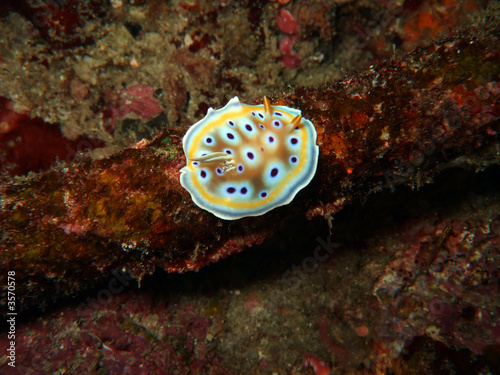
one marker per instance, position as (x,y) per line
(294,141)
(293,159)
(278,114)
(248,127)
(228,151)
(241,168)
(195,163)
(262,126)
(263,194)
(250,155)
(271,139)
(209,140)
(231,190)
(273,173)
(261,115)
(244,190)
(203,174)
(230,135)
(219,171)
(231,123)
(277,123)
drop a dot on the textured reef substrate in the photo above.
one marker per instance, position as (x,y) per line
(406,283)
(399,122)
(386,262)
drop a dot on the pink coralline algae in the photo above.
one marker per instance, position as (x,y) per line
(319,366)
(288,25)
(139,100)
(286,22)
(117,337)
(30,144)
(440,280)
(289,58)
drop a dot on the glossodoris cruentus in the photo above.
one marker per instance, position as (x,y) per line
(244,160)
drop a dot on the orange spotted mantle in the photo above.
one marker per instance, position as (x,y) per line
(244,160)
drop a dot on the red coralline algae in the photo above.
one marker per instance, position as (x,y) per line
(139,100)
(289,58)
(253,304)
(286,22)
(290,61)
(319,366)
(286,45)
(288,25)
(118,338)
(32,145)
(398,122)
(439,279)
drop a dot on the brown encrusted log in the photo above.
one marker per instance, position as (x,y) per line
(401,121)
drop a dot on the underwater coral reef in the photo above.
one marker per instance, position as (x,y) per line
(385,262)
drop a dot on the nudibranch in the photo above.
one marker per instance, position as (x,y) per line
(244,160)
